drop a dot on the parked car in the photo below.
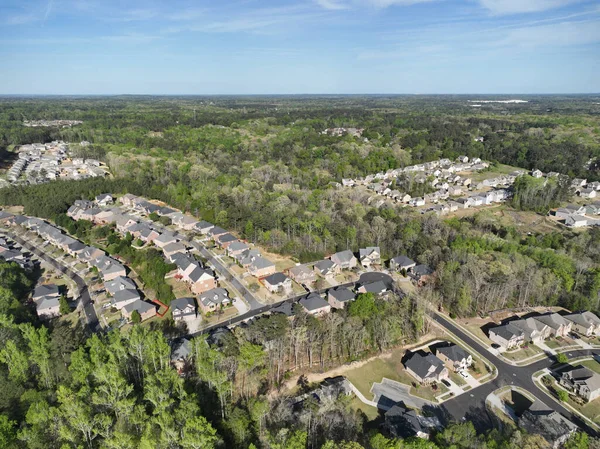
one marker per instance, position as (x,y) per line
(445,382)
(463,374)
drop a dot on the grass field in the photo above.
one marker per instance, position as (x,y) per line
(591,364)
(391,368)
(371,413)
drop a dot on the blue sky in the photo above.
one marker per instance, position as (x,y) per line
(299,46)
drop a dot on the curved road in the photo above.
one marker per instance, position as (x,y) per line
(471,405)
(84,295)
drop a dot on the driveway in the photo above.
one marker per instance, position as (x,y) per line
(389,392)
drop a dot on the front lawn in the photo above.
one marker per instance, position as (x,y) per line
(557,343)
(523,353)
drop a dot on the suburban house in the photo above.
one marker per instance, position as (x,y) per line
(247,257)
(45,290)
(89,254)
(427,368)
(278,282)
(302,274)
(377,288)
(344,259)
(166,238)
(576,221)
(454,357)
(339,297)
(119,283)
(261,267)
(210,300)
(549,424)
(145,309)
(559,326)
(127,199)
(223,241)
(216,231)
(183,309)
(203,227)
(370,255)
(402,422)
(104,199)
(234,249)
(112,270)
(326,268)
(173,248)
(420,273)
(314,304)
(201,280)
(533,330)
(181,350)
(582,381)
(48,307)
(508,336)
(585,323)
(400,263)
(183,221)
(122,298)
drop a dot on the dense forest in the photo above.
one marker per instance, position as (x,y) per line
(264,168)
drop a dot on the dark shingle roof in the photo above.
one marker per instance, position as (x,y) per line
(342,294)
(454,352)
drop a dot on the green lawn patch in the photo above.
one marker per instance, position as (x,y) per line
(372,413)
(523,353)
(556,343)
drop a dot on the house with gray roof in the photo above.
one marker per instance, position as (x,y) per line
(371,255)
(212,299)
(48,307)
(402,422)
(399,263)
(339,297)
(454,357)
(173,248)
(223,241)
(181,350)
(582,381)
(203,227)
(165,239)
(533,330)
(119,283)
(278,283)
(326,268)
(549,424)
(314,304)
(507,336)
(104,199)
(236,248)
(145,309)
(427,368)
(121,298)
(261,267)
(183,309)
(344,259)
(216,231)
(559,326)
(45,290)
(302,274)
(377,288)
(585,323)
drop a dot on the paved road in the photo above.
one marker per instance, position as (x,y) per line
(471,405)
(84,295)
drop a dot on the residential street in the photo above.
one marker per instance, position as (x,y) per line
(471,405)
(84,295)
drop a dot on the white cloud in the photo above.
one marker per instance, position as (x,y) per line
(501,7)
(560,34)
(332,5)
